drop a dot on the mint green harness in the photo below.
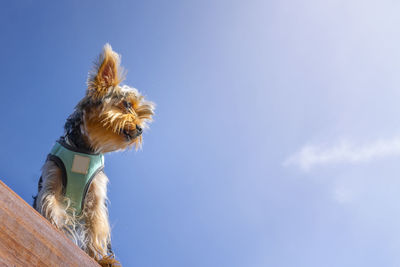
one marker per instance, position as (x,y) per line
(78,172)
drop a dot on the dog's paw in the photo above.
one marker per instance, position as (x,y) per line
(109,261)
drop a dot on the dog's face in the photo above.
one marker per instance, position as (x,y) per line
(114,115)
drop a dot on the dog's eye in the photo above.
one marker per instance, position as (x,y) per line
(127,105)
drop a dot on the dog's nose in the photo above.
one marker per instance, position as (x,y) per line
(139,130)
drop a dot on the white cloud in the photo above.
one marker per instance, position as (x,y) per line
(344,152)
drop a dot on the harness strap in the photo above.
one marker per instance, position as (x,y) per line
(78,170)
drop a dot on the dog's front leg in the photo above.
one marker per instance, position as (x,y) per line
(96,217)
(50,200)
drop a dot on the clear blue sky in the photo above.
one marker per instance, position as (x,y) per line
(277,135)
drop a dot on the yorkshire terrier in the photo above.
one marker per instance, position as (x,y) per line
(72,191)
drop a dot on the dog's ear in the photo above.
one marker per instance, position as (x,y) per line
(106,74)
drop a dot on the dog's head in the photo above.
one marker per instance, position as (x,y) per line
(114,115)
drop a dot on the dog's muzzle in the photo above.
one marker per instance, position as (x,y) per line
(133,133)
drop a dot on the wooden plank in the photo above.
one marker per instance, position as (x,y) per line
(28,239)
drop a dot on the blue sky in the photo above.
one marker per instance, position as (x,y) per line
(276,140)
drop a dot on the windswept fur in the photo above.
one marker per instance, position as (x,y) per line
(110,117)
(106,72)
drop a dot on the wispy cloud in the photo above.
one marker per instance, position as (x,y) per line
(343,152)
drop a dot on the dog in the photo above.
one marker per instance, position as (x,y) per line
(72,190)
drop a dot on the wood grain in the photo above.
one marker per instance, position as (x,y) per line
(28,239)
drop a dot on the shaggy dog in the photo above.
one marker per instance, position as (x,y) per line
(72,190)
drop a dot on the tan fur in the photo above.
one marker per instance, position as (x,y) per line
(104,123)
(53,205)
(111,117)
(106,73)
(96,215)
